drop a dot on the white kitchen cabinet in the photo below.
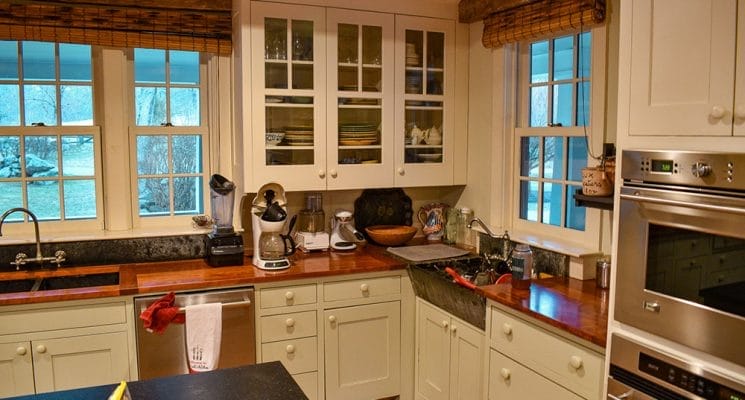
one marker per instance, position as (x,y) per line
(509,380)
(363,351)
(522,351)
(685,73)
(425,88)
(64,346)
(340,92)
(449,356)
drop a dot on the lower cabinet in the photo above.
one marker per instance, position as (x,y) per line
(449,356)
(363,351)
(77,354)
(529,361)
(509,380)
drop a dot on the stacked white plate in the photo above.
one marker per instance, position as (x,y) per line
(412,58)
(299,135)
(358,134)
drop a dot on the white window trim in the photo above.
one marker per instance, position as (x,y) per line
(537,233)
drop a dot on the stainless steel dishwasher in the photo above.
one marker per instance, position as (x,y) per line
(165,355)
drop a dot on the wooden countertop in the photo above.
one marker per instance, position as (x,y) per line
(575,306)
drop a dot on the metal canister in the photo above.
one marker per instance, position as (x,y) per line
(602,273)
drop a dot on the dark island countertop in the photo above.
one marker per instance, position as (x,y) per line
(266,381)
(575,306)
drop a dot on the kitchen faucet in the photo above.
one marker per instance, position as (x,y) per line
(22,258)
(506,243)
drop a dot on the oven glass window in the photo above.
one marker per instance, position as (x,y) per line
(704,268)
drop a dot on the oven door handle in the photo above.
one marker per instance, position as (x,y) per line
(709,207)
(626,395)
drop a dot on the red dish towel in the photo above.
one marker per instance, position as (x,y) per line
(161,313)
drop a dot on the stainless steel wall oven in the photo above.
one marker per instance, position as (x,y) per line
(681,249)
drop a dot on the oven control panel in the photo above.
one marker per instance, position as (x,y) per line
(686,380)
(699,169)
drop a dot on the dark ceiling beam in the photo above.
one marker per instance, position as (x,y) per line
(476,10)
(193,5)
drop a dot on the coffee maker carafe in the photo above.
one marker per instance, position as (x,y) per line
(223,245)
(268,217)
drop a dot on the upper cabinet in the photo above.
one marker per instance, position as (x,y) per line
(345,99)
(686,71)
(425,85)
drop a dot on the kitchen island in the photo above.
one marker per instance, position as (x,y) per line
(267,381)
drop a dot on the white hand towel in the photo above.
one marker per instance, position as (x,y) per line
(203,335)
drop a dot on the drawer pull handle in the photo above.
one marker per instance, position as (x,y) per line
(41,348)
(290,349)
(21,351)
(332,319)
(575,362)
(507,329)
(505,373)
(289,295)
(445,323)
(290,322)
(717,111)
(364,287)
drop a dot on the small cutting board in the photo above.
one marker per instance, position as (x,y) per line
(427,252)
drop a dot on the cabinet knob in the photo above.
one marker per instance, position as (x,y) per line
(333,173)
(445,323)
(21,351)
(507,329)
(364,287)
(290,348)
(740,111)
(505,373)
(575,362)
(41,348)
(717,111)
(453,328)
(290,322)
(400,170)
(289,295)
(321,173)
(332,319)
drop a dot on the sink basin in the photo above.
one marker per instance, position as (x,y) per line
(59,282)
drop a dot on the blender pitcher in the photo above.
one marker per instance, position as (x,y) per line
(222,194)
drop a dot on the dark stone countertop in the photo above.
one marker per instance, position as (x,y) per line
(267,381)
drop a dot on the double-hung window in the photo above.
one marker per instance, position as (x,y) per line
(169,133)
(50,158)
(554,123)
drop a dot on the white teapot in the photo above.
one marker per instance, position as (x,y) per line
(434,136)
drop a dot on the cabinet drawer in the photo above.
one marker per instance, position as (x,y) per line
(309,383)
(575,367)
(288,326)
(288,296)
(361,288)
(297,355)
(509,380)
(51,318)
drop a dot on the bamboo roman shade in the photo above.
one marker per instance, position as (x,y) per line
(193,25)
(534,19)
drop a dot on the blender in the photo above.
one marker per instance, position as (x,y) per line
(223,245)
(268,217)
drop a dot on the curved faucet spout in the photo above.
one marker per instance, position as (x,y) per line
(36,227)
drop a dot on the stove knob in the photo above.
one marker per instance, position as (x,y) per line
(700,170)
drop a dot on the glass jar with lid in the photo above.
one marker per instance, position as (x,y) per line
(522,266)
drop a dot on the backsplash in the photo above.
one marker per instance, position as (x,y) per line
(114,251)
(544,261)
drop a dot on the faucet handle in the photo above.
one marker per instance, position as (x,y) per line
(20,260)
(59,257)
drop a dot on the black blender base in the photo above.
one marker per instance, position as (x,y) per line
(223,251)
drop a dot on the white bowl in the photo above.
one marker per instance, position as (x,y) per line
(274,138)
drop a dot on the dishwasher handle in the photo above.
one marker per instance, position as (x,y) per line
(231,304)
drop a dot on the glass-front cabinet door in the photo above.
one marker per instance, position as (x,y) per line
(360,102)
(425,80)
(288,94)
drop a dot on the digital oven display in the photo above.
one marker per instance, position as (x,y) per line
(662,166)
(687,380)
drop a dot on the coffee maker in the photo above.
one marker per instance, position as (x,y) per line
(223,245)
(268,217)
